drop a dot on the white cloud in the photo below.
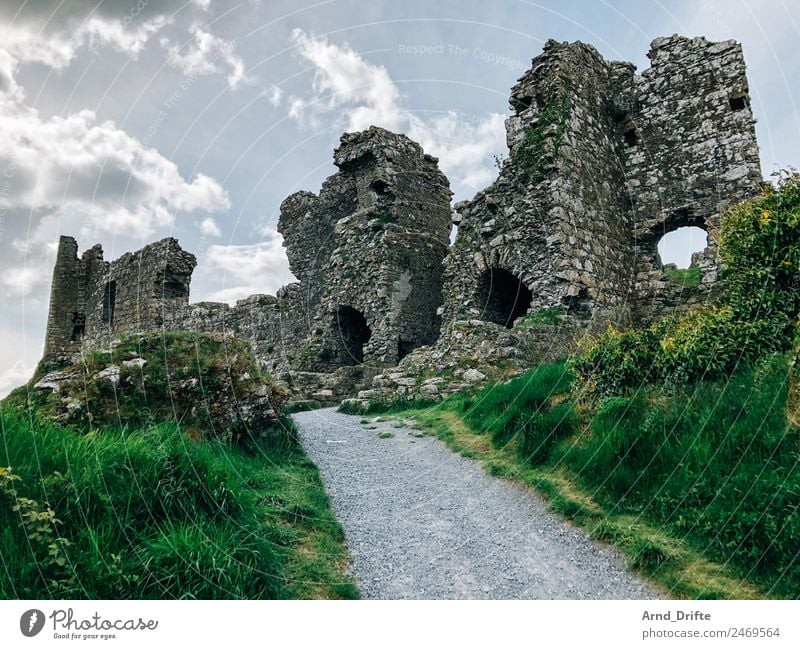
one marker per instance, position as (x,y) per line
(16,375)
(247,269)
(345,83)
(207,54)
(27,43)
(77,174)
(209,227)
(273,95)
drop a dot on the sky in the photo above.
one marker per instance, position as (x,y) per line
(125,121)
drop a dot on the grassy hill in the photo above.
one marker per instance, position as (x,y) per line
(174,476)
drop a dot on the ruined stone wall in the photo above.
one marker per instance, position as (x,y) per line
(601,164)
(691,151)
(93,300)
(371,247)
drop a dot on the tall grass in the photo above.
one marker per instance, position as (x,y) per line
(715,464)
(533,411)
(150,513)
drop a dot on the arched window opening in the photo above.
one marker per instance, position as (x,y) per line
(503,297)
(678,246)
(353,331)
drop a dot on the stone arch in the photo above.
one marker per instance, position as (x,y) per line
(502,296)
(352,332)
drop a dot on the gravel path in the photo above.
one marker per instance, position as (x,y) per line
(424,523)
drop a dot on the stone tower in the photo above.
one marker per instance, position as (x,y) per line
(369,248)
(602,164)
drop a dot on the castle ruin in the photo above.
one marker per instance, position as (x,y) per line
(602,163)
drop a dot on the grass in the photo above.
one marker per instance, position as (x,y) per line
(686,277)
(385,435)
(544,317)
(150,513)
(698,488)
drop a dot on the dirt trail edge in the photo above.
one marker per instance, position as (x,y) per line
(424,523)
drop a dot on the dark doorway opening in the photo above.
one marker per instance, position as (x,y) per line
(353,332)
(504,297)
(109,302)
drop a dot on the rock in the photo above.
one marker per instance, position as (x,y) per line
(110,374)
(53,380)
(473,375)
(429,389)
(73,406)
(135,362)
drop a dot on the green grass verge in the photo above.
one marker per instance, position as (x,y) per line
(150,513)
(697,488)
(685,277)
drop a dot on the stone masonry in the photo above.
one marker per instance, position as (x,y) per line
(602,163)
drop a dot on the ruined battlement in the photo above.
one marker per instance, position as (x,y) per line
(92,299)
(602,163)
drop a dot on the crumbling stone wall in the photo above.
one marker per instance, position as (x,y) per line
(371,246)
(93,300)
(603,163)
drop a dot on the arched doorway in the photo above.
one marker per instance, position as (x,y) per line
(503,297)
(353,332)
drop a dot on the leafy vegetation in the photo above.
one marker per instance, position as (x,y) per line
(546,317)
(151,513)
(760,247)
(541,143)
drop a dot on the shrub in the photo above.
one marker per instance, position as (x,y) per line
(760,249)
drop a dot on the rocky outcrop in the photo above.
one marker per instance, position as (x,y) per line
(208,384)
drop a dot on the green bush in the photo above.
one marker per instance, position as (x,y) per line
(760,250)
